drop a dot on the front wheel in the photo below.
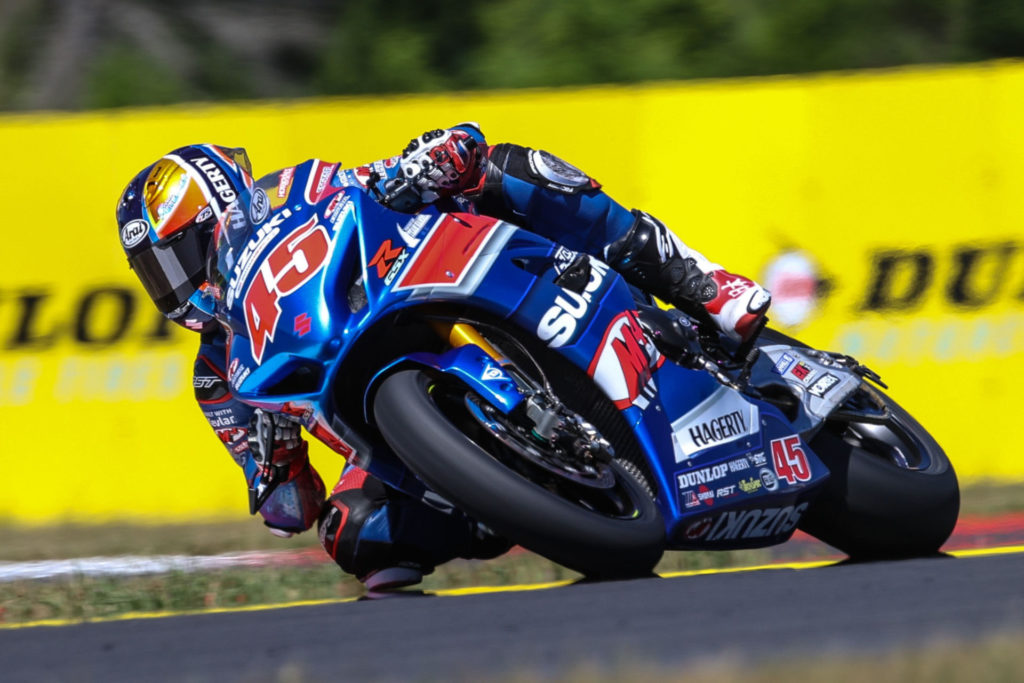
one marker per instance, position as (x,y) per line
(599,523)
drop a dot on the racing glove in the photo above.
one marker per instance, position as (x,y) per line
(294,505)
(439,163)
(281,459)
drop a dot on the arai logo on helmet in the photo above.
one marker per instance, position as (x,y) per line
(134,232)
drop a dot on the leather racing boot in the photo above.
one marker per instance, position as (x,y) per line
(653,258)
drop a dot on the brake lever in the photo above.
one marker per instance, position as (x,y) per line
(371,185)
(716,359)
(744,349)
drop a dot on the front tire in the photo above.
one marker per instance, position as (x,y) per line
(421,420)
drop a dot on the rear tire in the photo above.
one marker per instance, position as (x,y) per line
(893,492)
(874,506)
(420,420)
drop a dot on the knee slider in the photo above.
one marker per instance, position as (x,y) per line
(355,498)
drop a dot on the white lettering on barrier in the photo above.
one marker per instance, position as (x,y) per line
(18,381)
(921,340)
(145,377)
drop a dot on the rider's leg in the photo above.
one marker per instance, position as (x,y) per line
(550,197)
(653,258)
(388,539)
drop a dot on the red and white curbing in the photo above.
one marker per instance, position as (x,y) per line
(138,565)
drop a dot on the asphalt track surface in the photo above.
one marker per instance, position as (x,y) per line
(756,615)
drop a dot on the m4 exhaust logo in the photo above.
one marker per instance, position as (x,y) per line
(389,261)
(625,363)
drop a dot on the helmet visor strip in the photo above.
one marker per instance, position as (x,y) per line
(171,272)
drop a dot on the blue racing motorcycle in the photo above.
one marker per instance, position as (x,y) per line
(475,365)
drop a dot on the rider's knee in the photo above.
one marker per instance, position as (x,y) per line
(355,498)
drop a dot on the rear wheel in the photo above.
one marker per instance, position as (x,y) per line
(893,491)
(597,518)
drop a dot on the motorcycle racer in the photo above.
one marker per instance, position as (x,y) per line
(166,217)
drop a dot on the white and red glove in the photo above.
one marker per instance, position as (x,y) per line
(441,163)
(273,438)
(285,490)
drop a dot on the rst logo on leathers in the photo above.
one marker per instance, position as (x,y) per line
(291,264)
(558,324)
(625,363)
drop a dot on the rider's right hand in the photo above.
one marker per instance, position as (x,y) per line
(440,163)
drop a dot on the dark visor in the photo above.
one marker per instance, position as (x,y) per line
(171,272)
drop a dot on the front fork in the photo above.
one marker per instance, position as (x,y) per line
(547,417)
(461,334)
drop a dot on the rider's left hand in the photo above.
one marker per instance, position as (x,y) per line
(274,432)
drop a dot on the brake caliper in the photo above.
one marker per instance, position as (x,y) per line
(554,424)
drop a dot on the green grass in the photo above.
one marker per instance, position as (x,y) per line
(82,597)
(988,499)
(19,543)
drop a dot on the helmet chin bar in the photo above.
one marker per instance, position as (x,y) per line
(197,311)
(180,310)
(203,300)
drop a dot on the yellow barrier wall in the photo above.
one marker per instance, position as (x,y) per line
(884,207)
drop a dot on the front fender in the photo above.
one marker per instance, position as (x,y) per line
(469,363)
